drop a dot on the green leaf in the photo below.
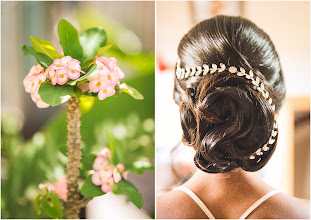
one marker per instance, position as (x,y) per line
(44,47)
(41,58)
(87,63)
(102,50)
(92,72)
(86,103)
(116,190)
(63,150)
(55,95)
(89,189)
(91,39)
(131,91)
(116,148)
(87,161)
(71,82)
(69,39)
(78,92)
(37,203)
(132,193)
(51,206)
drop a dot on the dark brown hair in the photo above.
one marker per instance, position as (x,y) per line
(223,118)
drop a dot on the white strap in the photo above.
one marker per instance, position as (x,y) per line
(197,200)
(258,203)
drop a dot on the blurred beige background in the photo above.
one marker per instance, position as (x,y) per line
(288,25)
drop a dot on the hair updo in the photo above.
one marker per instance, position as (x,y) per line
(222,117)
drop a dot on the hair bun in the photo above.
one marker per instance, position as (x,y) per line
(223,116)
(223,122)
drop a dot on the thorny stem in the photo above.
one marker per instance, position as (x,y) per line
(72,206)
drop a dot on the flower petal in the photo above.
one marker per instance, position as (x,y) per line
(73,74)
(116,175)
(64,61)
(100,163)
(107,186)
(62,78)
(120,166)
(97,179)
(42,104)
(120,73)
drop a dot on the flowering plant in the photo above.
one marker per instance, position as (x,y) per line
(59,78)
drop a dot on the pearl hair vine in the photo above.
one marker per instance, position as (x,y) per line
(258,85)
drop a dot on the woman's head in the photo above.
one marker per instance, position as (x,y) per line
(223,116)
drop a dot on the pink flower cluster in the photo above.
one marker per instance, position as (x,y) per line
(106,174)
(59,187)
(63,69)
(67,68)
(32,82)
(107,77)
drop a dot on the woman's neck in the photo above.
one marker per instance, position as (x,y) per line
(234,182)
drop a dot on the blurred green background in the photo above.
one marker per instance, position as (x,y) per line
(31,137)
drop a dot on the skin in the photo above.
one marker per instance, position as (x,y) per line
(228,196)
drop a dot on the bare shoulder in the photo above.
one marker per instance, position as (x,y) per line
(300,208)
(177,205)
(285,206)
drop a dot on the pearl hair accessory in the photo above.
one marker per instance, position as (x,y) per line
(257,85)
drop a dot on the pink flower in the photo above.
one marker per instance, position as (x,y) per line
(64,61)
(26,81)
(107,186)
(46,186)
(109,91)
(106,172)
(100,163)
(32,85)
(105,152)
(42,77)
(97,84)
(63,69)
(125,174)
(42,104)
(120,167)
(102,69)
(100,176)
(61,76)
(60,188)
(51,74)
(120,73)
(73,70)
(56,64)
(105,65)
(36,98)
(32,82)
(116,175)
(38,70)
(32,71)
(108,75)
(97,179)
(34,78)
(113,78)
(117,172)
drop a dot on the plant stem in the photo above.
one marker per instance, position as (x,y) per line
(72,206)
(85,201)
